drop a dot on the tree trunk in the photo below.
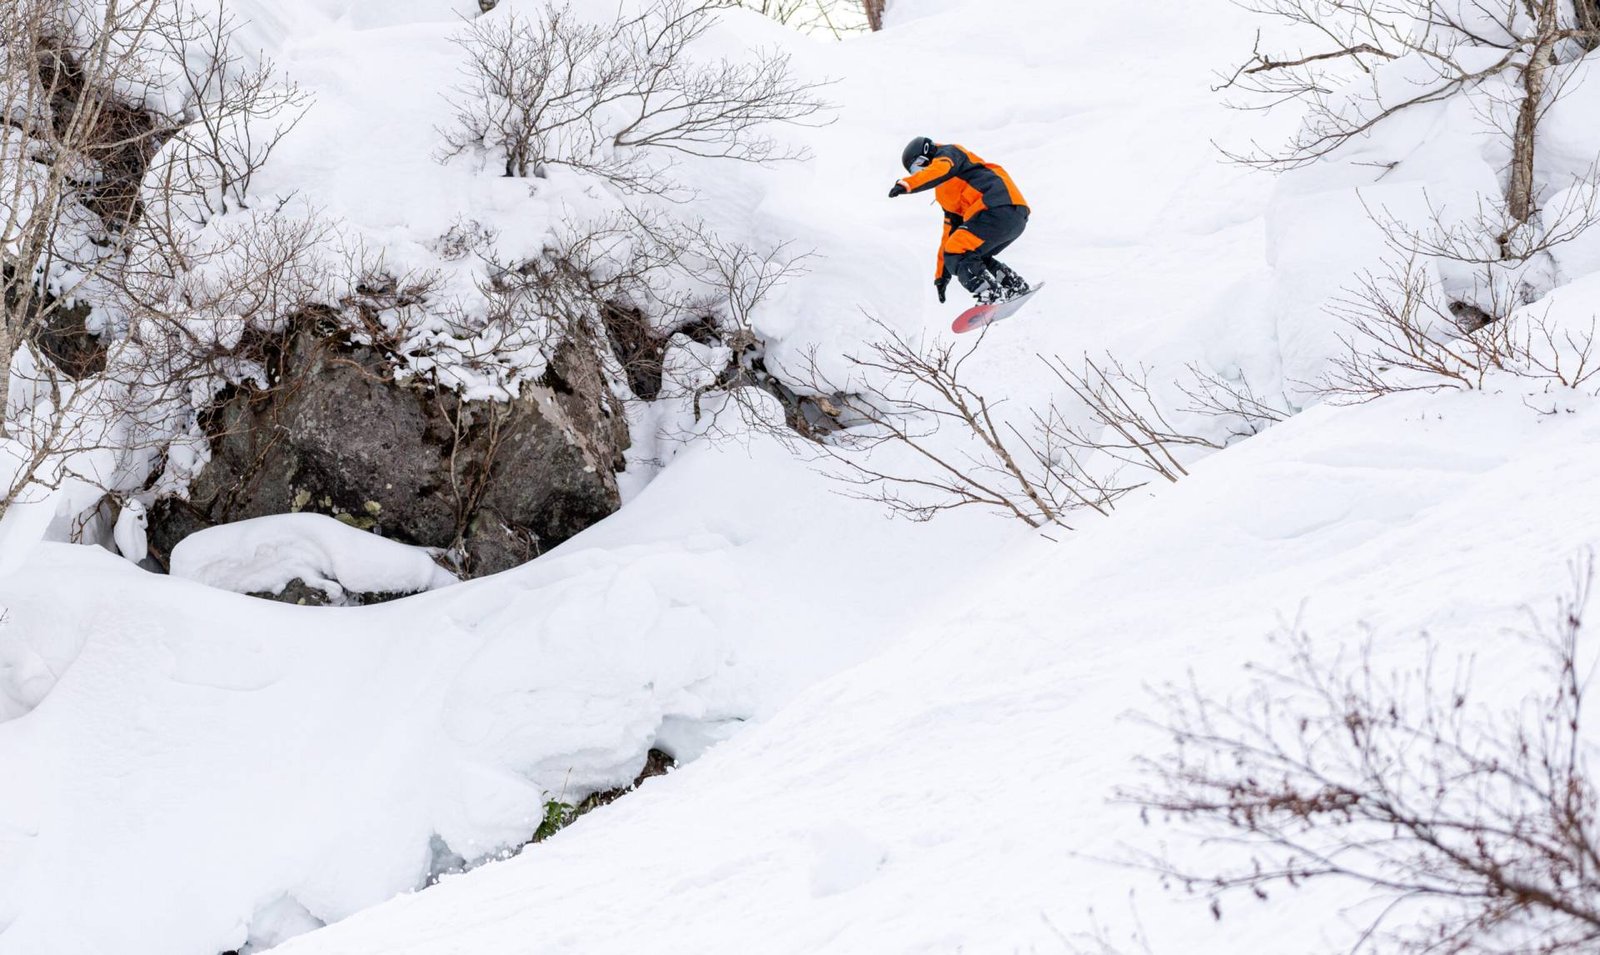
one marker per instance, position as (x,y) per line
(874,10)
(8,346)
(1588,21)
(1520,198)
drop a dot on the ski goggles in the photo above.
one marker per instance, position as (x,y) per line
(920,163)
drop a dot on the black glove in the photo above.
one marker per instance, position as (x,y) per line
(940,284)
(898,190)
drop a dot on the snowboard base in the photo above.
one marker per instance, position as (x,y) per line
(979,316)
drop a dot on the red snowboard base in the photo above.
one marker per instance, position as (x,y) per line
(978,316)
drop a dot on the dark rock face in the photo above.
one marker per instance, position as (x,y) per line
(123,138)
(334,433)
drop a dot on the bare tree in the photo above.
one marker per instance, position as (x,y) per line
(1472,826)
(611,99)
(1456,46)
(71,152)
(88,231)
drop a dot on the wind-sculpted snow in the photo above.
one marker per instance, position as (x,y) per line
(186,759)
(265,554)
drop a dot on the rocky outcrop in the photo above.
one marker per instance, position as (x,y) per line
(334,432)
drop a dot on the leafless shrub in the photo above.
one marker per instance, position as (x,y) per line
(1396,339)
(235,114)
(1126,422)
(184,337)
(85,227)
(904,394)
(1491,237)
(609,99)
(638,287)
(1403,334)
(835,18)
(734,280)
(1234,401)
(1097,939)
(467,237)
(1473,828)
(587,269)
(963,452)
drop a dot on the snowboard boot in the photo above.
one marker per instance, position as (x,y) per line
(988,293)
(1012,285)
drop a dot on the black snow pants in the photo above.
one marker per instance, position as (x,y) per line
(971,247)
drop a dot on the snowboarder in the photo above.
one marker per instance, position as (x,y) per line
(984,212)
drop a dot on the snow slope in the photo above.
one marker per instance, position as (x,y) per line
(189,771)
(951,794)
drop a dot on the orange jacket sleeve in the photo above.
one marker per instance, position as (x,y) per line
(937,171)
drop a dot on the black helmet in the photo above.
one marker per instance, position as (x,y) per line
(921,147)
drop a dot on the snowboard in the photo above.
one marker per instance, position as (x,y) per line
(978,316)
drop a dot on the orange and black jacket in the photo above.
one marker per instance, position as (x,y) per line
(964,185)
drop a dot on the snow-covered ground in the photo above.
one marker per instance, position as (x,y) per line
(922,722)
(180,759)
(952,793)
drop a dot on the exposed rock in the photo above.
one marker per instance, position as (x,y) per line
(299,592)
(62,333)
(303,594)
(641,349)
(558,815)
(656,763)
(1469,318)
(66,340)
(117,145)
(334,433)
